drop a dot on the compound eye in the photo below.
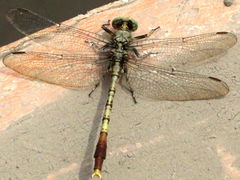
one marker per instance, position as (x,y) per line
(117,23)
(132,25)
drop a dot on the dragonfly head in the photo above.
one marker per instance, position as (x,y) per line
(123,23)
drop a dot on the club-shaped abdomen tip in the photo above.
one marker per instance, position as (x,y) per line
(97,173)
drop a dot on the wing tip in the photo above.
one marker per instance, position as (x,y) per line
(5,57)
(229,35)
(223,88)
(21,10)
(12,13)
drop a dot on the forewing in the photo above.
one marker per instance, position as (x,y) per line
(183,52)
(79,70)
(59,36)
(163,84)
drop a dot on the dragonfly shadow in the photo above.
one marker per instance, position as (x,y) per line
(86,165)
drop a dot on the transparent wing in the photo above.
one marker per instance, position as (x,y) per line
(78,66)
(162,84)
(59,36)
(183,52)
(78,70)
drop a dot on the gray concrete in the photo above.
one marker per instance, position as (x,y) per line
(150,140)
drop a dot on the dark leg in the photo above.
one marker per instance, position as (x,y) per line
(105,28)
(98,48)
(94,45)
(107,46)
(133,97)
(128,87)
(95,87)
(146,35)
(136,52)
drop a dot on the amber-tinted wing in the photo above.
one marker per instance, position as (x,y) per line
(77,64)
(78,70)
(163,84)
(185,52)
(59,36)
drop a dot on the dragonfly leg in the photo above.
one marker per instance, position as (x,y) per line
(128,87)
(95,87)
(131,91)
(98,48)
(94,45)
(107,46)
(135,52)
(146,35)
(105,28)
(133,96)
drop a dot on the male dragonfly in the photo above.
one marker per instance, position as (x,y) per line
(145,67)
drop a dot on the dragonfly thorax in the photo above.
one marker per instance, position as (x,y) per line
(122,37)
(121,41)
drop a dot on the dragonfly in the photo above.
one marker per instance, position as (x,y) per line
(147,67)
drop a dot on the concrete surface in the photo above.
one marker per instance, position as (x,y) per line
(49,132)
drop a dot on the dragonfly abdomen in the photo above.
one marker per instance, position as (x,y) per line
(101,148)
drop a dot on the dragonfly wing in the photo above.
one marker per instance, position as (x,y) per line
(163,84)
(184,52)
(79,70)
(59,36)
